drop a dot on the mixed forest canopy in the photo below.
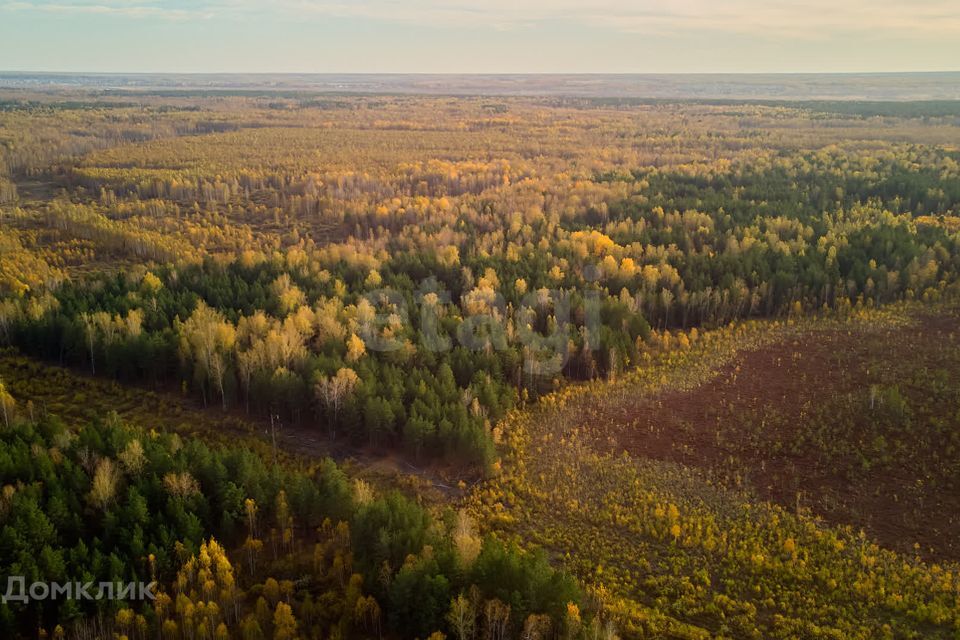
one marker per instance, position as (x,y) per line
(409,275)
(261,254)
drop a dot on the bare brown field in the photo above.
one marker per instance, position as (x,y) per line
(858,425)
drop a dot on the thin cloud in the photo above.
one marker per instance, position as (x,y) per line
(122,9)
(810,19)
(813,18)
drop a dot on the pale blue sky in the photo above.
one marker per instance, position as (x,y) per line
(644,36)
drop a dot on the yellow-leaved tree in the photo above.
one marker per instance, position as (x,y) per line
(103,486)
(7,404)
(206,339)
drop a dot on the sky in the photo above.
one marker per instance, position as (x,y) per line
(480,36)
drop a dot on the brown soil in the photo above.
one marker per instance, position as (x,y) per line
(784,383)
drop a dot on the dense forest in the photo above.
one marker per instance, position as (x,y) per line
(315,555)
(411,276)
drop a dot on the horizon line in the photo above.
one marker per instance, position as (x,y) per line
(481,73)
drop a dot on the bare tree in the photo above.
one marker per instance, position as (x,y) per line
(331,391)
